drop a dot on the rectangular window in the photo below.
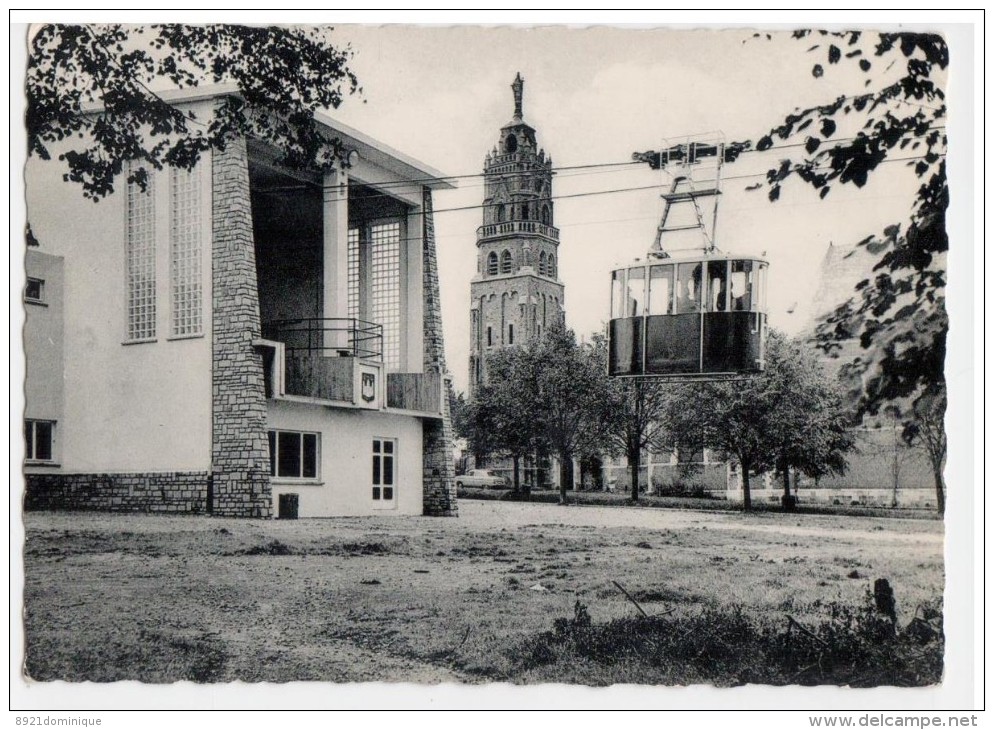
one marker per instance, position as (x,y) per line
(636,293)
(617,295)
(385,288)
(490,337)
(34,290)
(510,334)
(39,439)
(717,289)
(293,454)
(140,265)
(384,469)
(660,290)
(741,286)
(688,288)
(186,281)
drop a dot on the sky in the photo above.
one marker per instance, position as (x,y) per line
(595,96)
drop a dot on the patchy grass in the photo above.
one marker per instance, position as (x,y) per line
(161,599)
(725,646)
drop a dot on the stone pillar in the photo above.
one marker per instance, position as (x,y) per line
(240,450)
(439,473)
(335,216)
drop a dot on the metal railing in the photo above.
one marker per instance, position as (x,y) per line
(512,227)
(346,336)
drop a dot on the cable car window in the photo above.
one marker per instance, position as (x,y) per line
(636,293)
(717,286)
(688,288)
(661,290)
(617,294)
(741,286)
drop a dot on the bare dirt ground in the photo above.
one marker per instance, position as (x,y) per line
(161,599)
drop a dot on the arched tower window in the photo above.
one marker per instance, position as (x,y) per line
(492,264)
(524,211)
(550,267)
(541,263)
(506,264)
(528,257)
(499,213)
(511,144)
(546,217)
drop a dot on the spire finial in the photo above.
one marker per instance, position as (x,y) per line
(518,87)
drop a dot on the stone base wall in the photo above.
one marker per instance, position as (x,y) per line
(176,492)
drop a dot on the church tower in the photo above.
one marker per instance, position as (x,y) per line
(516,293)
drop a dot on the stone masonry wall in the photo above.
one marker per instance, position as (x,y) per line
(439,471)
(137,492)
(240,453)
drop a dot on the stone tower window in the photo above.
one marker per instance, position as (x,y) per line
(511,144)
(528,257)
(524,211)
(500,213)
(551,266)
(492,264)
(506,263)
(546,217)
(538,186)
(541,263)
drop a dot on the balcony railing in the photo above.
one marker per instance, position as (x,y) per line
(344,336)
(512,227)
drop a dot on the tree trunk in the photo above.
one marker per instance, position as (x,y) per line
(565,476)
(634,464)
(789,501)
(940,491)
(746,497)
(526,487)
(517,472)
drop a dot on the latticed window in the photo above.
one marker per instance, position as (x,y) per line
(541,263)
(550,266)
(506,262)
(352,265)
(185,254)
(385,294)
(140,243)
(492,264)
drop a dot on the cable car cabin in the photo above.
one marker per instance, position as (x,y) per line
(689,317)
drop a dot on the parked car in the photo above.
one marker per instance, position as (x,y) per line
(480,478)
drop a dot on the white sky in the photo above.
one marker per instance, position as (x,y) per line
(595,96)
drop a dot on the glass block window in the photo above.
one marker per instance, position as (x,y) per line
(384,471)
(385,289)
(186,254)
(140,245)
(352,266)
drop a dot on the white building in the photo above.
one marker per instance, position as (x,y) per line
(243,339)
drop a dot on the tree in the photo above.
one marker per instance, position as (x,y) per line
(95,92)
(814,433)
(788,417)
(504,414)
(898,313)
(573,397)
(926,426)
(638,421)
